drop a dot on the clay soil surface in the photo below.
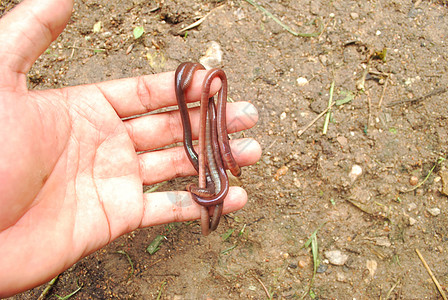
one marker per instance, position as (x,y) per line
(389,64)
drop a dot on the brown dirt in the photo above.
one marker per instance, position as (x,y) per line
(367,219)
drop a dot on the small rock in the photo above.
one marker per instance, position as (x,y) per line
(354,15)
(301,81)
(340,277)
(342,140)
(283,116)
(213,56)
(412,206)
(323,59)
(239,13)
(297,183)
(413,180)
(371,265)
(322,268)
(336,257)
(434,211)
(444,177)
(355,172)
(412,221)
(280,172)
(383,241)
(302,264)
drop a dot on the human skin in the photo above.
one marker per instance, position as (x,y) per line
(71,171)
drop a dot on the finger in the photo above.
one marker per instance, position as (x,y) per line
(169,163)
(168,207)
(138,95)
(26,32)
(159,130)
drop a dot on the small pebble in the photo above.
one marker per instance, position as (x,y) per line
(354,15)
(355,172)
(340,277)
(283,116)
(336,257)
(434,211)
(302,264)
(321,268)
(412,221)
(301,81)
(413,180)
(412,206)
(213,56)
(383,241)
(342,140)
(280,172)
(371,265)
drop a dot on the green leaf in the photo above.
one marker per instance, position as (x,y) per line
(392,130)
(97,27)
(138,31)
(154,246)
(349,96)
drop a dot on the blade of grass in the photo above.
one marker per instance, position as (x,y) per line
(439,161)
(226,235)
(70,295)
(315,252)
(228,249)
(130,263)
(47,289)
(155,187)
(161,290)
(286,27)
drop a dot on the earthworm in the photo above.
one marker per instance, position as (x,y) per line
(215,152)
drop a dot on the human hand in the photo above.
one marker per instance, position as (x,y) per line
(71,171)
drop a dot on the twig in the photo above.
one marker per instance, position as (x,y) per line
(73,50)
(48,288)
(87,48)
(421,98)
(198,22)
(327,117)
(315,119)
(286,27)
(264,287)
(195,24)
(434,279)
(391,289)
(386,82)
(369,103)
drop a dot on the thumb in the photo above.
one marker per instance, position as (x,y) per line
(25,33)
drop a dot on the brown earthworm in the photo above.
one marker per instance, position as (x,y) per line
(215,152)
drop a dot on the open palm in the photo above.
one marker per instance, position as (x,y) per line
(71,171)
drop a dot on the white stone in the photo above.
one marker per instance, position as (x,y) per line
(301,81)
(434,211)
(336,257)
(213,56)
(355,172)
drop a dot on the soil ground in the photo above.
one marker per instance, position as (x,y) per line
(304,182)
